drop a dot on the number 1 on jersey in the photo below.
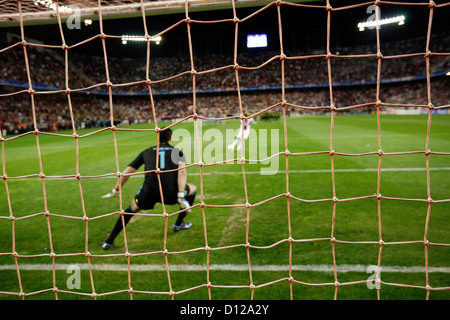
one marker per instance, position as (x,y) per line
(162,159)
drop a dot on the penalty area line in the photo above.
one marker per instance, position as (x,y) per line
(224,267)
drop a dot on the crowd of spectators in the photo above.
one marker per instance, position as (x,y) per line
(260,79)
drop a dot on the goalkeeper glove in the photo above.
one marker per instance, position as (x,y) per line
(184,204)
(112,194)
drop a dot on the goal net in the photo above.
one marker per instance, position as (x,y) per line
(60,99)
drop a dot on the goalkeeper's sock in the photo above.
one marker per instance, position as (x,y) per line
(119,226)
(191,198)
(180,218)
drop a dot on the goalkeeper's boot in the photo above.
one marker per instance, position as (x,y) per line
(106,246)
(184,225)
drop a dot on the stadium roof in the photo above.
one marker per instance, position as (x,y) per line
(42,11)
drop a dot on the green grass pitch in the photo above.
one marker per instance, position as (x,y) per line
(356,221)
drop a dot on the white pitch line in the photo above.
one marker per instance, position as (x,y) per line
(278,172)
(328,171)
(226,267)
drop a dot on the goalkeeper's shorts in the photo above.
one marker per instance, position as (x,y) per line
(147,197)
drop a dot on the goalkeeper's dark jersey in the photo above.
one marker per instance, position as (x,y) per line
(169,157)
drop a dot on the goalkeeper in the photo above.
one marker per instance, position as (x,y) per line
(175,188)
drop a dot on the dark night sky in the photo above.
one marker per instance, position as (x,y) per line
(303,30)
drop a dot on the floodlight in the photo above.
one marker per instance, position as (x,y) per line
(126,38)
(400,20)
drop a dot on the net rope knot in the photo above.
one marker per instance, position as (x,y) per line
(378,104)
